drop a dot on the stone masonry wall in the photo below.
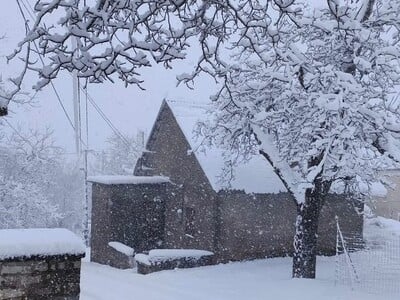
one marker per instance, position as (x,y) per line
(260,225)
(169,154)
(132,214)
(254,226)
(39,278)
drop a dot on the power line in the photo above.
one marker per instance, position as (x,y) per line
(88,97)
(26,8)
(108,121)
(61,104)
(42,61)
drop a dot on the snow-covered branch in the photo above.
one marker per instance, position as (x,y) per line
(290,179)
(119,37)
(320,101)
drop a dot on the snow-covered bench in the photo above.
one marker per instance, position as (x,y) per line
(40,264)
(168,259)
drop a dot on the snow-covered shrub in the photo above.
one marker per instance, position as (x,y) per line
(37,187)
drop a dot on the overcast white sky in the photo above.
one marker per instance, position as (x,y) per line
(128,108)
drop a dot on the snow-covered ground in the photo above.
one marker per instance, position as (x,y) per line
(261,279)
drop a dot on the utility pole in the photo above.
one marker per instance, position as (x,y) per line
(86,216)
(78,144)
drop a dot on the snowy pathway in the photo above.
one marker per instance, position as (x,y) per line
(267,279)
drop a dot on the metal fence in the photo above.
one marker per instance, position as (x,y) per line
(370,264)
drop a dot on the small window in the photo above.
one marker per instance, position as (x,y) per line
(189,218)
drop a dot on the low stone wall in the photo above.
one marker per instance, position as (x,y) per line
(39,278)
(181,263)
(118,260)
(40,264)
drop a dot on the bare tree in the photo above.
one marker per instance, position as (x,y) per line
(120,156)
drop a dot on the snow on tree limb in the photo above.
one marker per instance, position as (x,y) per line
(294,183)
(320,100)
(322,80)
(116,38)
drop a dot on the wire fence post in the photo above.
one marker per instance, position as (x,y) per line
(337,253)
(352,270)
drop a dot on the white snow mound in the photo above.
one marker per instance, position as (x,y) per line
(122,248)
(160,255)
(39,242)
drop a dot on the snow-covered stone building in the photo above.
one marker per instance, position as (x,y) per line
(385,201)
(188,206)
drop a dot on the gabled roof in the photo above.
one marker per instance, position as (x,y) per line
(253,176)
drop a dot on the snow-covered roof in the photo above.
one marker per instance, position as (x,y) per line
(375,189)
(122,179)
(253,176)
(39,242)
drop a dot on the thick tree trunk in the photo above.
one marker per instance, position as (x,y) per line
(305,240)
(3,111)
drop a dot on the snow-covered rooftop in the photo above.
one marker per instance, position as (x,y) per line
(39,242)
(122,179)
(253,176)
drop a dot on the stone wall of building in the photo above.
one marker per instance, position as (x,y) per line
(388,205)
(350,217)
(247,226)
(192,213)
(40,277)
(260,225)
(254,226)
(132,214)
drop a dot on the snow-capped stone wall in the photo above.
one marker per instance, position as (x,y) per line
(169,259)
(40,264)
